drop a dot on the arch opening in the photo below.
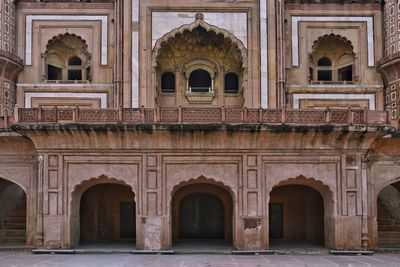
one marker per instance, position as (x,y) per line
(202,214)
(13,214)
(332,60)
(296,217)
(106,214)
(67,59)
(388,216)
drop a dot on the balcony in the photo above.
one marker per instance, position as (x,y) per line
(186,115)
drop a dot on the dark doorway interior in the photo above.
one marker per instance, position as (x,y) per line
(296,217)
(127,220)
(12,214)
(107,214)
(276,220)
(201,216)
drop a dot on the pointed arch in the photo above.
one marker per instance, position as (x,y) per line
(199,188)
(202,180)
(329,37)
(199,22)
(75,200)
(329,210)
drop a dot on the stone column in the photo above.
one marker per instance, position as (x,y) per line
(390,64)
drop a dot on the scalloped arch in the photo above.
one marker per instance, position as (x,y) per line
(11,181)
(205,180)
(302,180)
(102,179)
(336,36)
(209,28)
(60,36)
(379,187)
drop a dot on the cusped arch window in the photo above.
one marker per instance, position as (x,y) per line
(332,60)
(200,81)
(168,82)
(231,83)
(324,69)
(67,60)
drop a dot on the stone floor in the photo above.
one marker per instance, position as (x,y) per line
(28,259)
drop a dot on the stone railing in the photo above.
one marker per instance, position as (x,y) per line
(188,115)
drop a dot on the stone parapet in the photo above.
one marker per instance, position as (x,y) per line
(189,115)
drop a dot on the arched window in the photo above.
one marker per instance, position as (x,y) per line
(231,83)
(74,69)
(168,82)
(345,68)
(200,81)
(332,60)
(67,59)
(324,69)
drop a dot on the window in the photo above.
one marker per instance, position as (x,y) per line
(332,60)
(74,69)
(324,69)
(200,81)
(168,82)
(231,83)
(67,59)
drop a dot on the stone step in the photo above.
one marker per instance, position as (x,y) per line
(12,239)
(386,222)
(388,241)
(388,228)
(389,235)
(17,213)
(14,226)
(15,219)
(383,214)
(12,233)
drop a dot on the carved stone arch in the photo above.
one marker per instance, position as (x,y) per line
(75,199)
(65,39)
(199,22)
(328,37)
(318,185)
(12,181)
(379,187)
(327,198)
(202,184)
(202,179)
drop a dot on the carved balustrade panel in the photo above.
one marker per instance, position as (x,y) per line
(358,116)
(201,115)
(131,115)
(169,115)
(305,116)
(28,115)
(272,115)
(233,115)
(253,116)
(339,116)
(149,115)
(98,115)
(49,115)
(65,114)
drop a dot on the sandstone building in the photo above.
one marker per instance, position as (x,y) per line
(150,121)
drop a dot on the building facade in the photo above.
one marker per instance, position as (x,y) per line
(250,121)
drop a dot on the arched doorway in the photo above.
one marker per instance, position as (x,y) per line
(388,207)
(296,217)
(202,214)
(12,213)
(107,214)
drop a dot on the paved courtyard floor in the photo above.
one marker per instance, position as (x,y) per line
(28,259)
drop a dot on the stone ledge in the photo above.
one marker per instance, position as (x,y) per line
(352,252)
